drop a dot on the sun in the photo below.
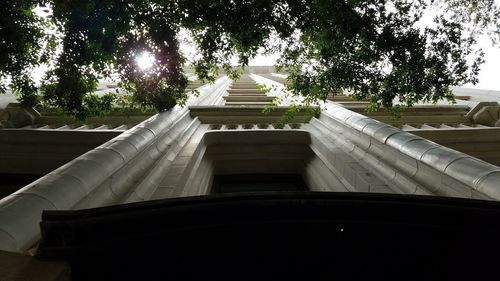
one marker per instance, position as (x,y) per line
(145,60)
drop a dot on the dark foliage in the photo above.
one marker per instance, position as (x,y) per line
(375,49)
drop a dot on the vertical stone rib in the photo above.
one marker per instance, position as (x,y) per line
(442,170)
(88,176)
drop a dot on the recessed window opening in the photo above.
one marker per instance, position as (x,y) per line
(257,183)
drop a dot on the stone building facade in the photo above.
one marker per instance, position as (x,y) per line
(222,142)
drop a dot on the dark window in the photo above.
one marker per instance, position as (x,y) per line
(258,183)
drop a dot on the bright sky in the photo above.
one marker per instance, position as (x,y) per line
(489,77)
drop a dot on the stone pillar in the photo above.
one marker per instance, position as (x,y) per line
(103,176)
(409,163)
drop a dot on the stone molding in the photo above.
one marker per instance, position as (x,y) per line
(86,182)
(137,158)
(414,161)
(87,176)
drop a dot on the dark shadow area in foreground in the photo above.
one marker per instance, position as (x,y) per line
(279,236)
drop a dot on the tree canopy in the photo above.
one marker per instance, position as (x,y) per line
(377,49)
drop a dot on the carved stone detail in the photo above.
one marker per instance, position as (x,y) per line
(488,116)
(16,116)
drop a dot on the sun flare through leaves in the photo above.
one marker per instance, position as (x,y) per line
(145,60)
